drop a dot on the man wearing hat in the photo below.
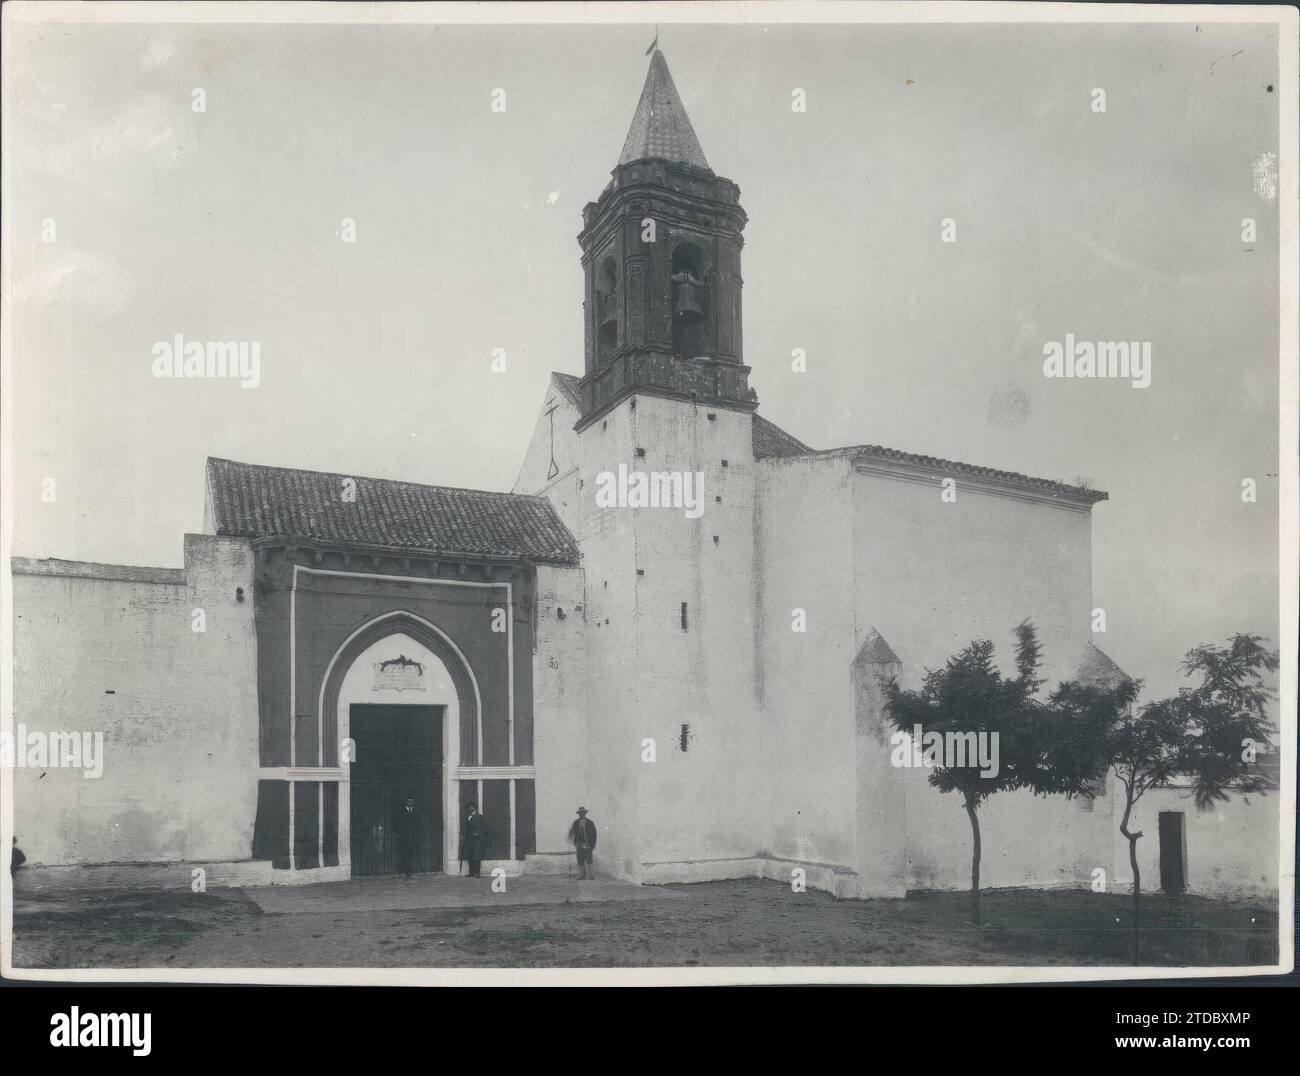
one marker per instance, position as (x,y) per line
(473,838)
(408,836)
(583,835)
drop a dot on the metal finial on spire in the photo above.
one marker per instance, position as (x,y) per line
(653,44)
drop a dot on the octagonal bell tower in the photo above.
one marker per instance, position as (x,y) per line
(661,257)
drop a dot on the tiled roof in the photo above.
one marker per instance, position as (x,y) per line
(660,127)
(254,501)
(770,440)
(568,384)
(1010,478)
(934,463)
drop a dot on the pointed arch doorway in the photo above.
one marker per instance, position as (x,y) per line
(404,705)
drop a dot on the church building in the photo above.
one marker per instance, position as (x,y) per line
(679,618)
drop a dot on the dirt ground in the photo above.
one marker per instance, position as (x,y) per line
(737,923)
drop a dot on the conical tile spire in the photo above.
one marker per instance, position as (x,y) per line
(660,128)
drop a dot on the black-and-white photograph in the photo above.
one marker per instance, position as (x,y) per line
(666,493)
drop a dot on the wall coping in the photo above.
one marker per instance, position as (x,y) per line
(86,569)
(883,464)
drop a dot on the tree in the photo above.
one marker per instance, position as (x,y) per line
(1033,748)
(1106,738)
(1207,735)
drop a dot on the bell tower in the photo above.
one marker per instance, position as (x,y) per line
(661,261)
(665,402)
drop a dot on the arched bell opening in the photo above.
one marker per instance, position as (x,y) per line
(690,300)
(606,309)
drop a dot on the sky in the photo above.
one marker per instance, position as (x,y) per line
(376,355)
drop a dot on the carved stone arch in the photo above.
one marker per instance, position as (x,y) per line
(433,639)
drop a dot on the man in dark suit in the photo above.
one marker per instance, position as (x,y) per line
(473,838)
(407,825)
(583,836)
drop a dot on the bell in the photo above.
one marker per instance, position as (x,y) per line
(688,303)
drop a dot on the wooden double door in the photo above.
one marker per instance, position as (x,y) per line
(398,755)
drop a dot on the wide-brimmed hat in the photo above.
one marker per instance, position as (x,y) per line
(582,810)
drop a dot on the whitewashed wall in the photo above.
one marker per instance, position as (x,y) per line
(560,705)
(1232,847)
(553,441)
(647,677)
(932,576)
(806,562)
(102,648)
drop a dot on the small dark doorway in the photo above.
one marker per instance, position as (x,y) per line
(398,754)
(1173,852)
